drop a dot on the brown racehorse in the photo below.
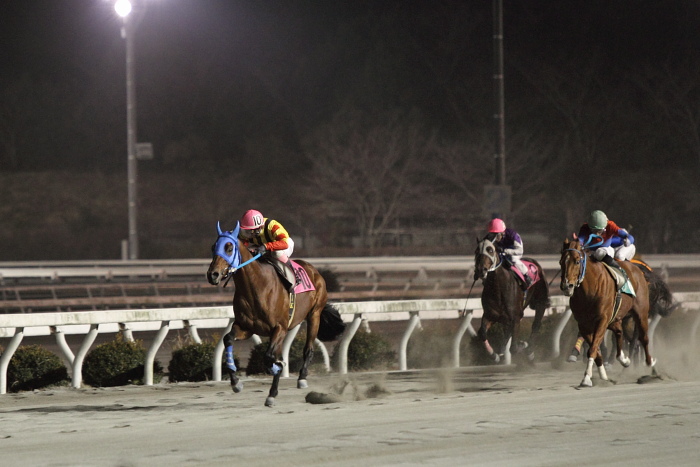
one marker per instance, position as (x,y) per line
(504,301)
(593,291)
(261,306)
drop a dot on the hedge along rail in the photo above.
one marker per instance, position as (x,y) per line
(90,323)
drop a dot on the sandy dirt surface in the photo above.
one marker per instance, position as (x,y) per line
(476,416)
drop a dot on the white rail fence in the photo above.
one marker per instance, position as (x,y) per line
(159,269)
(91,323)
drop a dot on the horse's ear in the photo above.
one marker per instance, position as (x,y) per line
(478,240)
(235,231)
(218,227)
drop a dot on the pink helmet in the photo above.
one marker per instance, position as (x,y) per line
(252,219)
(496,226)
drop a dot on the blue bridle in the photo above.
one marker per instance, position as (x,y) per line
(234,259)
(586,246)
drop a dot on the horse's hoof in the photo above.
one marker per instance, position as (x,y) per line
(626,362)
(270,401)
(572,359)
(238,387)
(302,384)
(586,383)
(496,358)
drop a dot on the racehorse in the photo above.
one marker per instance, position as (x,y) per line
(504,301)
(661,305)
(261,305)
(594,304)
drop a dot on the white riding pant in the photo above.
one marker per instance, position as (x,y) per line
(283,255)
(599,253)
(518,264)
(625,253)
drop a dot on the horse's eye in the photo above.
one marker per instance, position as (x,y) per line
(229,248)
(490,250)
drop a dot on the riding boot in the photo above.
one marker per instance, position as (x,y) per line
(528,282)
(296,278)
(612,263)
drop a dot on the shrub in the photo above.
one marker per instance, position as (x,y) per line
(118,363)
(33,367)
(193,362)
(367,351)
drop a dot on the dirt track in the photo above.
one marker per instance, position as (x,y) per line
(476,416)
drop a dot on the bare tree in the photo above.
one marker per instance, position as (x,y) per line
(368,170)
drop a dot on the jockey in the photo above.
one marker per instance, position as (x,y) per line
(267,236)
(598,224)
(508,243)
(624,247)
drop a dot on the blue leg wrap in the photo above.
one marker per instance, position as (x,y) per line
(275,369)
(229,358)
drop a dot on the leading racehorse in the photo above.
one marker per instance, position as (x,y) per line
(263,306)
(597,304)
(503,299)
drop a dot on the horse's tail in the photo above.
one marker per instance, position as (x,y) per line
(331,324)
(660,296)
(540,296)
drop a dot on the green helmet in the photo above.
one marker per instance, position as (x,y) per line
(597,220)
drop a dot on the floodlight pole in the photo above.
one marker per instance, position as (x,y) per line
(128,30)
(499,94)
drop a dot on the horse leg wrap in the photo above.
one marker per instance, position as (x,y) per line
(230,364)
(275,368)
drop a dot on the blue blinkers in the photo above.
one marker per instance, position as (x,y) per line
(234,259)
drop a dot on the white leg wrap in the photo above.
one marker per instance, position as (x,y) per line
(587,375)
(603,374)
(623,359)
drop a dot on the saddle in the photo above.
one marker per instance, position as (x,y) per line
(532,271)
(622,282)
(284,271)
(293,276)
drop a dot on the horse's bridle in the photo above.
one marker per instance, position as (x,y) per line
(496,259)
(582,268)
(233,260)
(593,241)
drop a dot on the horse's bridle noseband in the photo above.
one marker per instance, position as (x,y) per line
(496,259)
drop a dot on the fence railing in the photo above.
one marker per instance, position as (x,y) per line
(105,270)
(91,323)
(27,287)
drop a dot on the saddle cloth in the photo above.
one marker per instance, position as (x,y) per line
(531,271)
(621,281)
(303,279)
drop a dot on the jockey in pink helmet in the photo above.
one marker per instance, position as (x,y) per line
(509,244)
(267,236)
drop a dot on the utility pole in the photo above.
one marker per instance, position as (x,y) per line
(497,196)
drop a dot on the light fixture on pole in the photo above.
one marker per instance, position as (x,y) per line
(124,10)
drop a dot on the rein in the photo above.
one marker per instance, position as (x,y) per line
(582,269)
(586,246)
(228,273)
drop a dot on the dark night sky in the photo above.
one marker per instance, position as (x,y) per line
(248,59)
